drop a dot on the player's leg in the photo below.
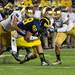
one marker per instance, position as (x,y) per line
(34,43)
(30,54)
(40,51)
(4,37)
(1,46)
(14,48)
(37,43)
(27,46)
(1,29)
(60,38)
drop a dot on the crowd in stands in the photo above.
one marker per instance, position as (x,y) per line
(7,6)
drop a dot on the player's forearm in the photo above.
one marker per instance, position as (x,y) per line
(63,29)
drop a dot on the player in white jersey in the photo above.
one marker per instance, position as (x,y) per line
(70,40)
(6,27)
(6,24)
(67,28)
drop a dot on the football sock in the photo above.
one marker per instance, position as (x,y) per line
(28,50)
(42,58)
(58,57)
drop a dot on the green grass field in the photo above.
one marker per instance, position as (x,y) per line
(8,66)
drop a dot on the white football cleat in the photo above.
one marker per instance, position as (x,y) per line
(44,63)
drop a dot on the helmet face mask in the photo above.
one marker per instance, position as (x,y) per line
(56,13)
(29,12)
(49,11)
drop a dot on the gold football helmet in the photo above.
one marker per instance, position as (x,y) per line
(56,12)
(29,12)
(9,6)
(47,11)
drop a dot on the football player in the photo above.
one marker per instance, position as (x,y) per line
(66,26)
(5,29)
(29,28)
(47,12)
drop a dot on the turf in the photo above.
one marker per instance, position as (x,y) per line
(8,66)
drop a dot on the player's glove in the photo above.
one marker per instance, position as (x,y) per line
(52,30)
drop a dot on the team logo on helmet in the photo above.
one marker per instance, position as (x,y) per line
(45,22)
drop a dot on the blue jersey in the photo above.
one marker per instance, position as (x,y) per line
(30,24)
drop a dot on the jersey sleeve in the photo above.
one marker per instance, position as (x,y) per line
(21,25)
(62,29)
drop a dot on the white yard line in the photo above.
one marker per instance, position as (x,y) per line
(8,55)
(35,67)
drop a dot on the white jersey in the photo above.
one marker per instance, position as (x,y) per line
(58,23)
(37,14)
(1,17)
(68,22)
(7,23)
(71,20)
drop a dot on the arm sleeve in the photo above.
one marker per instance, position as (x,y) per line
(63,29)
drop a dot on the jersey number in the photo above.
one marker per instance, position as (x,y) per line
(28,20)
(34,28)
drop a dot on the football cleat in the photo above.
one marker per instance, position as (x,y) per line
(26,59)
(44,63)
(57,63)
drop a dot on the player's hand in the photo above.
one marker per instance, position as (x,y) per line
(27,36)
(52,30)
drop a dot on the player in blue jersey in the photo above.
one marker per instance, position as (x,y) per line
(32,29)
